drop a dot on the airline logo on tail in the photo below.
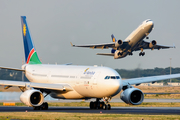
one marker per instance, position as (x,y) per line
(24,30)
(31,56)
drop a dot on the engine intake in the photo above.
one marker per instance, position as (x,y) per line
(118,43)
(133,96)
(152,44)
(32,98)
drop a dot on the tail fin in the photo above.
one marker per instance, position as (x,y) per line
(31,56)
(113,38)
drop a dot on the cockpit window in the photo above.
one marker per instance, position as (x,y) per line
(148,20)
(107,77)
(112,77)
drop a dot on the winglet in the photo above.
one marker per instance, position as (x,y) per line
(72,44)
(174,45)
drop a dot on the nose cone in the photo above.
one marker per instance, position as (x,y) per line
(114,87)
(150,23)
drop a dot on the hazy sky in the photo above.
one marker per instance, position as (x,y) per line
(56,23)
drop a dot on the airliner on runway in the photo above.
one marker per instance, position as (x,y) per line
(73,82)
(134,42)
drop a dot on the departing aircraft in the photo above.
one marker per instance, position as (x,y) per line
(73,81)
(134,42)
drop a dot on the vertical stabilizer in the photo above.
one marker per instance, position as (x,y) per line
(31,56)
(113,38)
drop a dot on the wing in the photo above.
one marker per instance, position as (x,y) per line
(97,46)
(59,87)
(103,45)
(145,45)
(137,81)
(11,68)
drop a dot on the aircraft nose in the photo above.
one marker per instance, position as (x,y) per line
(151,23)
(115,86)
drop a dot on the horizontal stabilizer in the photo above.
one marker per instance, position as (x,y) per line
(106,54)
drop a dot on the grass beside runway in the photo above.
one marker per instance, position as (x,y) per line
(120,104)
(82,116)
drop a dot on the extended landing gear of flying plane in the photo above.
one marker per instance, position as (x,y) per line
(130,53)
(44,106)
(141,53)
(101,105)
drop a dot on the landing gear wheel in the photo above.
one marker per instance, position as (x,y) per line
(91,105)
(36,108)
(109,106)
(140,53)
(101,104)
(130,53)
(143,53)
(44,106)
(105,107)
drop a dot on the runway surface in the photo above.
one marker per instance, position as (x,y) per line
(114,110)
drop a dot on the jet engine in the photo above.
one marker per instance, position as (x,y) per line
(133,96)
(152,43)
(118,43)
(32,98)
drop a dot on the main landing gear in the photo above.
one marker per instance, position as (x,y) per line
(101,105)
(44,106)
(141,53)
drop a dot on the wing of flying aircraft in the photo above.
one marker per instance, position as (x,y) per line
(151,45)
(97,46)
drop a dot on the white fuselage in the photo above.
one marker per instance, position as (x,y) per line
(135,38)
(86,81)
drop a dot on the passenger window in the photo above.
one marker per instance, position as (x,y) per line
(117,77)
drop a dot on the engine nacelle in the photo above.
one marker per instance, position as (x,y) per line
(118,43)
(32,98)
(152,43)
(133,96)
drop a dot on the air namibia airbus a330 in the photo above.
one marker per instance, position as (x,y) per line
(73,82)
(134,42)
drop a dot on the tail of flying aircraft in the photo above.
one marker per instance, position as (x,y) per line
(114,40)
(31,56)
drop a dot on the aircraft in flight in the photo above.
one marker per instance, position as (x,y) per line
(72,81)
(134,42)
